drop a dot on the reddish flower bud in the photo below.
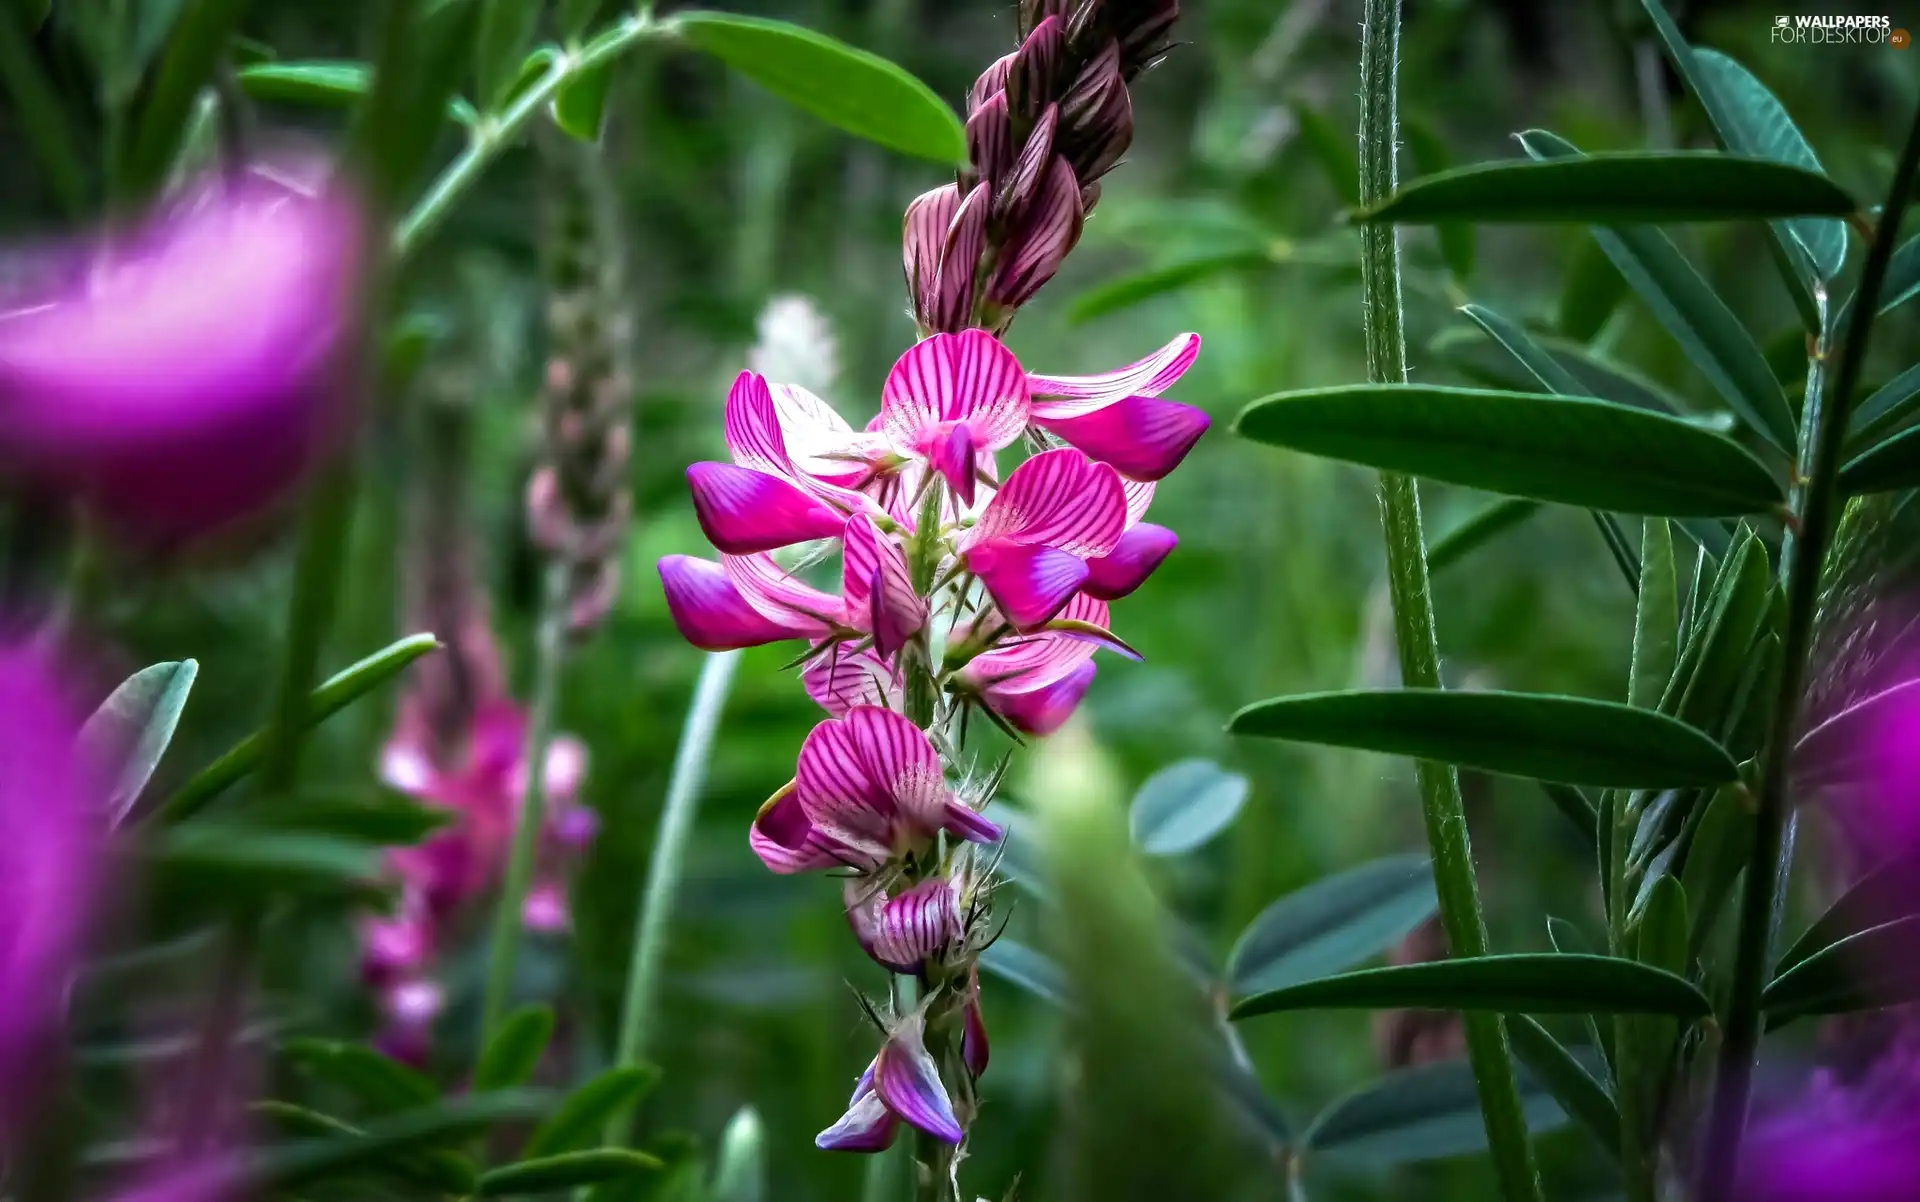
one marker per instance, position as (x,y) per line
(952,302)
(1036,69)
(1023,182)
(992,81)
(1034,251)
(923,239)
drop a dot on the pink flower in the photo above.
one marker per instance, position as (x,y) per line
(1035,682)
(903,932)
(1117,418)
(867,786)
(902,1084)
(839,679)
(1030,546)
(951,397)
(192,368)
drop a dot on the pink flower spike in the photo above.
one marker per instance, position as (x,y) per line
(1141,550)
(955,378)
(1040,712)
(867,1126)
(1029,584)
(1060,397)
(1058,499)
(742,510)
(786,841)
(907,1080)
(706,607)
(841,678)
(1142,437)
(878,590)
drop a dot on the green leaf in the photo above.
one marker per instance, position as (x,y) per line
(194,49)
(1430,155)
(1716,854)
(316,83)
(1893,465)
(579,1120)
(1567,449)
(378,1082)
(227,864)
(550,1174)
(1575,808)
(1483,527)
(1614,188)
(580,107)
(1901,285)
(1882,896)
(740,1173)
(1575,740)
(290,1166)
(1540,365)
(1576,1089)
(576,16)
(1424,1113)
(1020,965)
(335,694)
(1184,805)
(441,1170)
(1716,654)
(1656,618)
(127,735)
(1528,983)
(1889,407)
(1754,122)
(506,26)
(1590,293)
(1128,290)
(861,93)
(1333,924)
(514,1051)
(1719,347)
(1869,970)
(1333,149)
(383,818)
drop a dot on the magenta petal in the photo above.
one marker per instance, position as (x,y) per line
(1141,550)
(1142,437)
(908,1081)
(966,377)
(842,797)
(787,842)
(973,1036)
(965,822)
(867,1126)
(949,448)
(1050,229)
(1058,499)
(960,263)
(903,932)
(708,609)
(1042,711)
(1072,396)
(901,762)
(877,588)
(780,597)
(1040,659)
(1029,584)
(840,679)
(742,511)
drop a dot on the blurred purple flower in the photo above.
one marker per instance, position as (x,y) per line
(902,1084)
(190,369)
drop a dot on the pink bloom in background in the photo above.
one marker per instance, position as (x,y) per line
(48,864)
(190,369)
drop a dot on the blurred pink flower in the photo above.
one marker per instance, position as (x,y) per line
(191,368)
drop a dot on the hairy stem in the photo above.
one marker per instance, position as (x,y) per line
(1413,624)
(550,653)
(1814,502)
(664,870)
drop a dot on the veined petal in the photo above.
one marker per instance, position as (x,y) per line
(900,762)
(1142,437)
(841,794)
(923,239)
(973,1037)
(1042,711)
(867,1126)
(742,510)
(989,139)
(1140,551)
(1058,499)
(992,80)
(878,589)
(787,841)
(1048,230)
(965,822)
(904,931)
(753,434)
(1038,660)
(1071,396)
(1139,497)
(966,377)
(1030,584)
(778,596)
(821,443)
(840,679)
(710,612)
(960,263)
(948,448)
(785,431)
(908,1081)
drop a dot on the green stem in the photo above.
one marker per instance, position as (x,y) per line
(496,133)
(665,868)
(317,575)
(1814,503)
(41,114)
(550,652)
(1414,632)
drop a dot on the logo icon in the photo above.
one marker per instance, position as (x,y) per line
(1899,39)
(1782,22)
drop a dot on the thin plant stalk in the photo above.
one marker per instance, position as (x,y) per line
(667,865)
(40,113)
(1814,504)
(1418,644)
(549,656)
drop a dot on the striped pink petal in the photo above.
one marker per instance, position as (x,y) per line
(1043,710)
(953,298)
(742,510)
(842,794)
(786,840)
(878,590)
(1142,437)
(989,142)
(710,612)
(905,931)
(867,1126)
(923,239)
(1030,584)
(948,447)
(1139,498)
(785,431)
(900,761)
(1038,660)
(776,595)
(1140,551)
(839,679)
(1058,397)
(1058,499)
(1048,231)
(966,377)
(908,1081)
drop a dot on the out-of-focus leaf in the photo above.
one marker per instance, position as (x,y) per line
(1333,149)
(383,818)
(580,106)
(506,26)
(740,1175)
(1614,188)
(1425,1113)
(1592,290)
(1020,965)
(576,15)
(1430,155)
(861,93)
(1561,1074)
(194,48)
(291,1166)
(1483,527)
(578,1120)
(1660,928)
(1574,807)
(233,864)
(1886,408)
(1527,983)
(1017,850)
(381,1084)
(441,1170)
(1184,805)
(567,1170)
(1577,740)
(1567,449)
(320,84)
(1887,894)
(1901,285)
(1893,465)
(125,738)
(1866,971)
(515,1049)
(1126,291)
(1719,849)
(1332,924)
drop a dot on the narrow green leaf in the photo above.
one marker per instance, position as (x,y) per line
(567,1170)
(1640,187)
(1882,896)
(1901,285)
(1702,688)
(232,864)
(316,83)
(1542,366)
(1893,465)
(1528,983)
(1716,854)
(1566,937)
(578,1121)
(506,26)
(441,1170)
(1890,406)
(383,818)
(1428,1112)
(1567,449)
(1430,155)
(1020,965)
(1656,619)
(1592,290)
(1719,347)
(1128,290)
(335,694)
(1561,1073)
(378,1082)
(580,107)
(194,49)
(1483,527)
(127,735)
(290,1166)
(1664,931)
(1577,740)
(1869,970)
(861,93)
(1333,924)
(1184,805)
(740,1173)
(515,1049)
(1332,148)
(576,16)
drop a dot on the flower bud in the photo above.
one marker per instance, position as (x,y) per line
(1034,251)
(1036,70)
(990,140)
(1029,172)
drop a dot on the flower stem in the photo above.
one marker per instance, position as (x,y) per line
(550,652)
(1813,504)
(664,870)
(496,133)
(1413,607)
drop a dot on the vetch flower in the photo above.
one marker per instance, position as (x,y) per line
(903,932)
(902,1085)
(1035,682)
(952,396)
(193,367)
(1031,544)
(1118,417)
(841,678)
(713,615)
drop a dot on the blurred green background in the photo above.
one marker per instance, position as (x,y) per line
(729,199)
